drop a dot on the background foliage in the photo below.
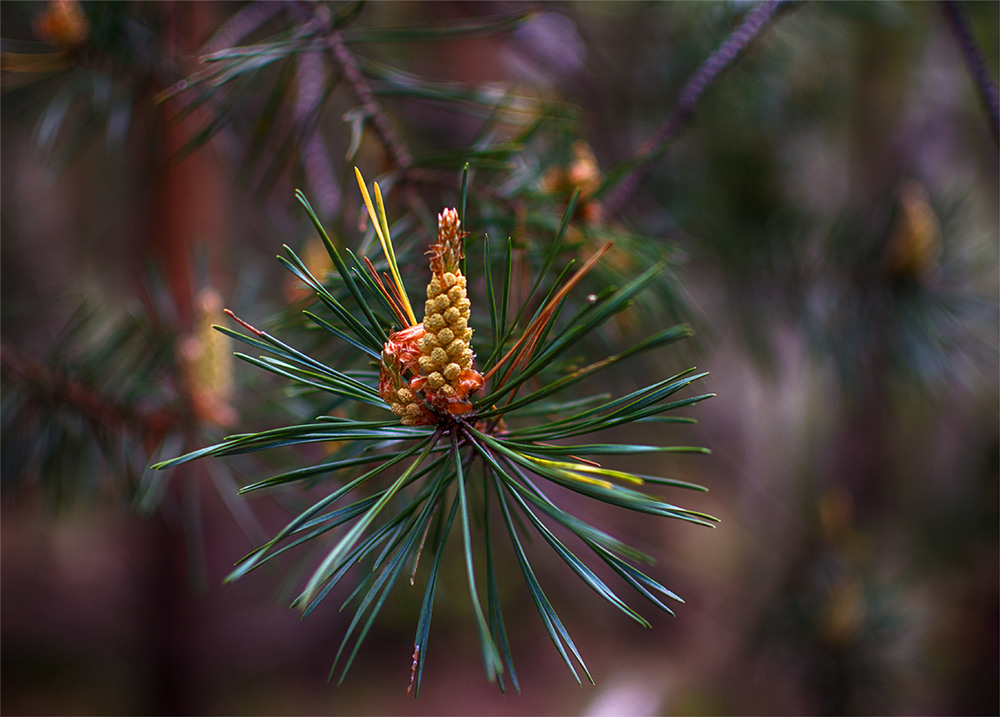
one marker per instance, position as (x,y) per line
(827,206)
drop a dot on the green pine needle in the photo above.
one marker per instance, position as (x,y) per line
(397,490)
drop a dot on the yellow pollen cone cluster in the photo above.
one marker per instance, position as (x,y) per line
(62,23)
(436,352)
(444,349)
(206,364)
(445,355)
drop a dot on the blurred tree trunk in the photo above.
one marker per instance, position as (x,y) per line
(187,215)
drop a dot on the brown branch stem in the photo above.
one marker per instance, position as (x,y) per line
(728,52)
(395,148)
(985,84)
(59,388)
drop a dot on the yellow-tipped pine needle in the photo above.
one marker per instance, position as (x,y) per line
(573,469)
(382,230)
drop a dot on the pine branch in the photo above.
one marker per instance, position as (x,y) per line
(397,151)
(728,52)
(241,24)
(100,409)
(439,434)
(973,55)
(313,89)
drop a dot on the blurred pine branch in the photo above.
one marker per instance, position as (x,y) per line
(820,192)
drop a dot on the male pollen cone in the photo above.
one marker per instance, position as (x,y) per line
(444,376)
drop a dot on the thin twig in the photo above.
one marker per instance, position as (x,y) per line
(986,85)
(734,45)
(397,151)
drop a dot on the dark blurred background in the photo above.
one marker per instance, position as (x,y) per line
(830,210)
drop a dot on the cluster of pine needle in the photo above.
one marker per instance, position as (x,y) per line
(457,444)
